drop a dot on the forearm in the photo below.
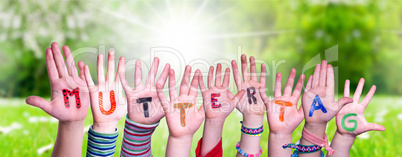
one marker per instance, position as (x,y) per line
(179,146)
(212,134)
(317,130)
(69,139)
(137,139)
(342,145)
(275,143)
(101,144)
(250,144)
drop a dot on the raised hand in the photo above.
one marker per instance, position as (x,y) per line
(64,80)
(107,103)
(182,116)
(69,100)
(144,106)
(282,113)
(318,99)
(350,119)
(224,100)
(251,102)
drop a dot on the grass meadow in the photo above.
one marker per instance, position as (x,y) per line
(28,131)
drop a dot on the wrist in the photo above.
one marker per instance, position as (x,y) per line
(214,121)
(72,124)
(104,127)
(317,129)
(184,138)
(345,136)
(253,121)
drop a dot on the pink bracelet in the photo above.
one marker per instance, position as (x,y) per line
(317,141)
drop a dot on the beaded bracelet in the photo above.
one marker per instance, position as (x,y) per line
(251,131)
(246,154)
(303,148)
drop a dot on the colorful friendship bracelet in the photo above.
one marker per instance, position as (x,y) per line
(247,154)
(101,144)
(303,148)
(251,131)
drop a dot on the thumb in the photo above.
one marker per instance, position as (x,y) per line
(162,97)
(39,102)
(343,101)
(376,127)
(263,95)
(238,96)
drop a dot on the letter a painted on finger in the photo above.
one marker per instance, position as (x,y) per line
(319,106)
(250,95)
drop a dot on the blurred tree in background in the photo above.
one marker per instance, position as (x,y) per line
(367,34)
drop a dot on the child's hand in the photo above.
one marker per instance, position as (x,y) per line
(144,106)
(181,112)
(64,78)
(251,104)
(107,109)
(224,100)
(318,99)
(282,113)
(350,119)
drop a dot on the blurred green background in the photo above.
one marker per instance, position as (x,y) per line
(360,38)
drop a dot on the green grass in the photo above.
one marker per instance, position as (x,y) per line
(32,136)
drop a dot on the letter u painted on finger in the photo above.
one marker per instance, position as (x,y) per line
(112,103)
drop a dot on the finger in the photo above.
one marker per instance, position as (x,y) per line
(253,69)
(376,127)
(263,75)
(152,72)
(263,95)
(343,101)
(58,59)
(300,111)
(346,90)
(72,69)
(88,77)
(124,82)
(239,95)
(194,84)
(162,97)
(218,75)
(165,73)
(81,67)
(368,97)
(289,85)
(137,74)
(299,87)
(316,76)
(211,77)
(201,111)
(278,88)
(186,81)
(100,71)
(236,75)
(226,78)
(120,68)
(330,79)
(51,66)
(308,85)
(172,85)
(358,92)
(244,68)
(39,102)
(323,73)
(201,83)
(110,68)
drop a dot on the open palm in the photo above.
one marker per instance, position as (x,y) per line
(61,78)
(104,113)
(245,106)
(321,86)
(136,106)
(181,112)
(350,119)
(282,113)
(225,100)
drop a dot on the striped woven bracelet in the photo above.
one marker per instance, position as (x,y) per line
(251,131)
